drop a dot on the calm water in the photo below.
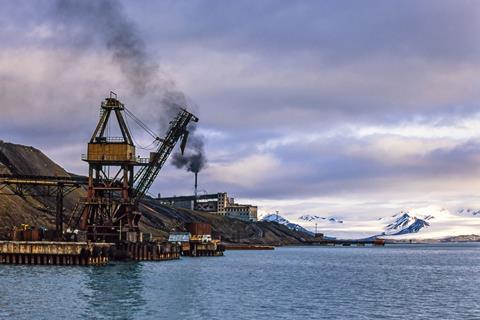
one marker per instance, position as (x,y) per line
(399,282)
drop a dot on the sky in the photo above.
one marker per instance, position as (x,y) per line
(348,109)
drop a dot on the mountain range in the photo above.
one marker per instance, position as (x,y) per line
(423,223)
(432,222)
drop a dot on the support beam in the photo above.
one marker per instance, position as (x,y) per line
(59,212)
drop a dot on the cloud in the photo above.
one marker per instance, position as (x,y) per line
(384,74)
(342,31)
(51,86)
(376,166)
(248,172)
(348,106)
(305,92)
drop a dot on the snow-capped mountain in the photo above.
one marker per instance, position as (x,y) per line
(435,223)
(281,220)
(310,218)
(403,223)
(432,222)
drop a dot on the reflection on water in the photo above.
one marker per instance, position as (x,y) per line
(114,291)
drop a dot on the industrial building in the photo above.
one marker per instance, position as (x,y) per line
(216,203)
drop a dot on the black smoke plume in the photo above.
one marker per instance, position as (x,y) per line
(86,22)
(194,158)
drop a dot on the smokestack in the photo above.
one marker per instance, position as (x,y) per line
(196,185)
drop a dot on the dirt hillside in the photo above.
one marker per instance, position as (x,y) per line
(157,219)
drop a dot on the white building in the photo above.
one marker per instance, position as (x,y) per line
(217,203)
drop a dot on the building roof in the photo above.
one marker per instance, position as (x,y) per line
(191,198)
(179,237)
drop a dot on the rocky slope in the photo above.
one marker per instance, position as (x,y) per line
(404,223)
(15,210)
(157,219)
(284,222)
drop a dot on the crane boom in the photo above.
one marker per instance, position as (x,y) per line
(146,176)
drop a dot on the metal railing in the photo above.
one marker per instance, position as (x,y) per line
(103,157)
(142,160)
(110,139)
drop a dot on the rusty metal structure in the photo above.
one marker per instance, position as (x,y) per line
(110,211)
(43,186)
(104,224)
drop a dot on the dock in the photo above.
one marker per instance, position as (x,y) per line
(198,249)
(54,253)
(149,251)
(248,247)
(196,241)
(345,242)
(83,253)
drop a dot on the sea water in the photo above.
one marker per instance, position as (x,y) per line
(440,281)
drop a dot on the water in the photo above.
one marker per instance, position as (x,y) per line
(396,282)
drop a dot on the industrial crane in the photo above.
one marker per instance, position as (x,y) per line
(110,210)
(147,174)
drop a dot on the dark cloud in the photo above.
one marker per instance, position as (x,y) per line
(330,61)
(341,31)
(462,160)
(260,70)
(85,22)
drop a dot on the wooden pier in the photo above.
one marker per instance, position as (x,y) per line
(198,249)
(83,253)
(54,253)
(149,251)
(345,242)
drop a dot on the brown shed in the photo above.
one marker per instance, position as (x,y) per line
(199,229)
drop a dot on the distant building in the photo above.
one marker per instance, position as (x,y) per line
(241,211)
(217,203)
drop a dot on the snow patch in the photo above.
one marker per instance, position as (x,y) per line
(404,223)
(281,220)
(310,218)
